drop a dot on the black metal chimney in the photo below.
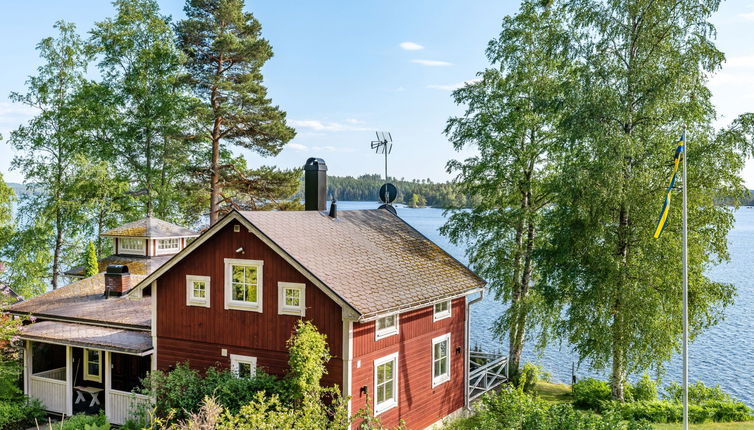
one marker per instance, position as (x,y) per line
(315,184)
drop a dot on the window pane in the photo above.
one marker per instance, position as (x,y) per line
(437,371)
(389,370)
(251,293)
(443,349)
(380,393)
(443,366)
(237,273)
(389,390)
(244,370)
(238,291)
(380,374)
(251,275)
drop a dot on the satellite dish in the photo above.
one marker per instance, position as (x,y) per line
(388,193)
(390,208)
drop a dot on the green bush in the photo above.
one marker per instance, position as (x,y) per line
(20,414)
(727,411)
(698,393)
(511,409)
(530,375)
(591,393)
(83,422)
(645,390)
(182,390)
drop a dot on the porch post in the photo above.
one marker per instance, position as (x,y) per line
(68,380)
(27,365)
(108,383)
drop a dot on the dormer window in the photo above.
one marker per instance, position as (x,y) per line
(131,246)
(168,246)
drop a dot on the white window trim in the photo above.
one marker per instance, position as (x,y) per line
(235,304)
(194,301)
(88,376)
(235,359)
(388,404)
(437,380)
(437,316)
(165,251)
(284,309)
(385,332)
(129,251)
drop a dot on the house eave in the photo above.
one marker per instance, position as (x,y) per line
(416,305)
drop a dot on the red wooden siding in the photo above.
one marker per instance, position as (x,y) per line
(198,334)
(418,403)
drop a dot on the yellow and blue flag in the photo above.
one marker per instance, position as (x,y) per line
(663,220)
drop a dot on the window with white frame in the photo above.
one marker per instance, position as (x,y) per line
(243,366)
(197,290)
(291,298)
(131,246)
(385,383)
(440,360)
(386,326)
(92,365)
(243,284)
(442,310)
(168,246)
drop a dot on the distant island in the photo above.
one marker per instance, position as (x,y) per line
(414,193)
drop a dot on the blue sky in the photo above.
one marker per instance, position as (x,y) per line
(345,69)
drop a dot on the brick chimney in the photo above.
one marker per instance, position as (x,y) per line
(315,184)
(117,280)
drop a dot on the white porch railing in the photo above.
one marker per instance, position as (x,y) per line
(123,405)
(486,372)
(49,387)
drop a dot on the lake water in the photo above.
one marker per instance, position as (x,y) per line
(722,355)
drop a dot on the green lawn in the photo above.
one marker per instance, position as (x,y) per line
(749,425)
(556,393)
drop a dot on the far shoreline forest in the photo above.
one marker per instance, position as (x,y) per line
(414,193)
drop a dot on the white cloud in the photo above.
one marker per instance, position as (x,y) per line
(741,60)
(432,63)
(748,16)
(451,87)
(411,46)
(298,146)
(316,125)
(354,121)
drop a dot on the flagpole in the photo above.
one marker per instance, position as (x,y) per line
(685,292)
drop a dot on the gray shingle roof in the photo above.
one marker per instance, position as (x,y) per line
(88,336)
(137,265)
(84,301)
(150,227)
(372,259)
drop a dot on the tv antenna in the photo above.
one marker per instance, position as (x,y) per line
(384,144)
(388,192)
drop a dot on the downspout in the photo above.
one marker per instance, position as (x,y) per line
(466,369)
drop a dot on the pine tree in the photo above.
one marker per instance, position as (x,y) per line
(91,266)
(225,54)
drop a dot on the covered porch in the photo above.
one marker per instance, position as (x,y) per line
(76,368)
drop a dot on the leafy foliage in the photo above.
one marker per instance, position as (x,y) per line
(83,422)
(181,391)
(47,147)
(530,376)
(91,267)
(641,71)
(510,118)
(308,354)
(20,414)
(512,409)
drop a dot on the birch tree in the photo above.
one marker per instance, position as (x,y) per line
(642,76)
(510,119)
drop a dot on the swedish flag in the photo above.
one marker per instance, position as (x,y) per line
(663,220)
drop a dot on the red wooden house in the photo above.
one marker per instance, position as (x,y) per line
(392,303)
